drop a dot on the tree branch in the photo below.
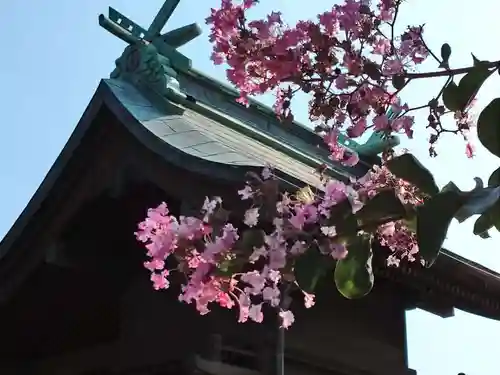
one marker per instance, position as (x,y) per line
(448,73)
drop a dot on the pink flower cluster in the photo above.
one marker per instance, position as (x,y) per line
(394,235)
(250,268)
(346,60)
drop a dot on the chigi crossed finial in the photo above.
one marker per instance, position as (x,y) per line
(162,17)
(130,32)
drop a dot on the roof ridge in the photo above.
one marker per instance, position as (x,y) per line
(372,147)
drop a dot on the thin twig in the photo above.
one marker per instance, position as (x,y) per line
(430,51)
(451,72)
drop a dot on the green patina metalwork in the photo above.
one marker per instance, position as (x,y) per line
(152,61)
(165,44)
(376,144)
(143,66)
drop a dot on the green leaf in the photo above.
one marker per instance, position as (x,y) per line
(411,223)
(408,168)
(343,219)
(494,179)
(489,219)
(230,267)
(477,201)
(450,186)
(451,97)
(372,70)
(353,274)
(310,267)
(445,54)
(475,60)
(488,127)
(433,220)
(471,83)
(398,81)
(482,225)
(494,214)
(224,268)
(382,207)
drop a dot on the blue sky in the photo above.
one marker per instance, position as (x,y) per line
(55,54)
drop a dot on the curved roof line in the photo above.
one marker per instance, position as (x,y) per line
(179,117)
(144,130)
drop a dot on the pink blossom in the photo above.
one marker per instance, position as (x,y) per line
(393,66)
(469,150)
(268,55)
(277,257)
(381,122)
(358,128)
(309,300)
(160,280)
(155,264)
(346,66)
(267,173)
(329,231)
(382,46)
(399,239)
(252,216)
(255,313)
(258,252)
(246,192)
(341,82)
(287,318)
(405,124)
(256,281)
(204,252)
(272,295)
